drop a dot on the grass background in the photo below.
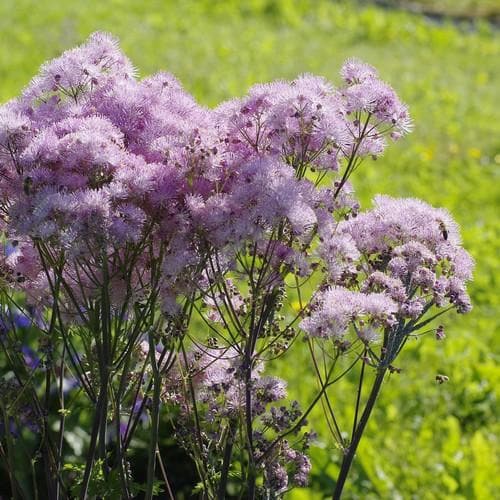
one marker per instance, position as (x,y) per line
(425,441)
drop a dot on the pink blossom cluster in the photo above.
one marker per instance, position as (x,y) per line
(404,255)
(217,377)
(416,254)
(338,307)
(307,121)
(94,160)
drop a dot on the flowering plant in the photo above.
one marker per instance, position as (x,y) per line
(165,253)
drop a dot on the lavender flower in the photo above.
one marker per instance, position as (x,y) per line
(335,309)
(418,247)
(356,71)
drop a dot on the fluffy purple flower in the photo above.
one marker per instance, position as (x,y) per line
(336,308)
(90,158)
(417,247)
(356,71)
(339,254)
(378,99)
(93,158)
(264,193)
(276,477)
(280,118)
(67,80)
(395,221)
(380,282)
(302,469)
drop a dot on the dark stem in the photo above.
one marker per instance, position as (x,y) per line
(228,451)
(61,422)
(9,456)
(93,442)
(251,478)
(356,438)
(155,419)
(45,424)
(103,423)
(352,160)
(358,398)
(106,361)
(164,474)
(197,427)
(120,451)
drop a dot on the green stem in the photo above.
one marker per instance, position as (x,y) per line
(120,451)
(34,481)
(93,443)
(197,428)
(155,419)
(251,477)
(103,420)
(228,451)
(358,398)
(62,418)
(105,361)
(164,474)
(356,438)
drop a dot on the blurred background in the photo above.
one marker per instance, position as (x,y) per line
(424,441)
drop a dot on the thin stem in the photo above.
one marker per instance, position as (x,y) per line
(249,427)
(34,481)
(337,434)
(93,444)
(105,361)
(228,451)
(349,456)
(62,418)
(351,162)
(10,453)
(358,397)
(199,440)
(302,418)
(164,474)
(120,457)
(155,420)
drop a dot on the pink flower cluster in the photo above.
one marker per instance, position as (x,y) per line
(404,255)
(338,307)
(218,381)
(93,160)
(416,254)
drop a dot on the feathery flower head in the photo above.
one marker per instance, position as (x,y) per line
(415,244)
(336,308)
(356,71)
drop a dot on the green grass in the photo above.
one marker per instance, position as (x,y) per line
(425,441)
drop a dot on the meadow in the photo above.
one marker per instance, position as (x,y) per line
(425,440)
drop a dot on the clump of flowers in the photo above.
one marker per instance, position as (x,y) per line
(160,251)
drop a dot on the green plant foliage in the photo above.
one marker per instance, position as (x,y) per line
(425,440)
